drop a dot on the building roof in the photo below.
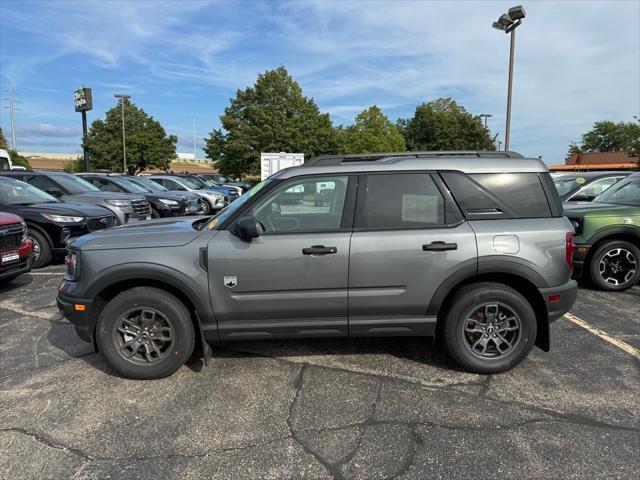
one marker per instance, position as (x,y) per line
(601,157)
(593,166)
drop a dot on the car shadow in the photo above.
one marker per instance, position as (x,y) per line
(21,281)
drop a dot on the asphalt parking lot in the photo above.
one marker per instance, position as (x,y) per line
(349,408)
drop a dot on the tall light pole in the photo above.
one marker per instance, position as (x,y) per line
(508,22)
(485,116)
(122,99)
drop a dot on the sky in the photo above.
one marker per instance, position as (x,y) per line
(577,62)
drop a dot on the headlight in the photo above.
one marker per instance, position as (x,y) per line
(171,203)
(217,195)
(577,225)
(72,263)
(62,218)
(118,203)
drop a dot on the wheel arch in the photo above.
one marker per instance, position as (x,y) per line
(525,286)
(108,286)
(42,231)
(629,234)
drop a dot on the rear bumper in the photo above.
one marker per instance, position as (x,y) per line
(560,299)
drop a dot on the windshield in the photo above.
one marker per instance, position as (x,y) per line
(130,186)
(74,185)
(626,192)
(190,183)
(196,182)
(235,206)
(208,182)
(147,183)
(565,185)
(15,192)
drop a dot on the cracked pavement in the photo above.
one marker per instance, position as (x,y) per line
(315,409)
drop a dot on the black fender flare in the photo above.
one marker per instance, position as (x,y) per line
(160,273)
(617,230)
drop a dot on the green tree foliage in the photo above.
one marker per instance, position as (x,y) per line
(148,145)
(16,159)
(271,116)
(371,132)
(444,125)
(4,144)
(610,137)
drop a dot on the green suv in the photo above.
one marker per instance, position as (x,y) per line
(607,236)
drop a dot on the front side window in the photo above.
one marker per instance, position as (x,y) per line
(303,205)
(400,200)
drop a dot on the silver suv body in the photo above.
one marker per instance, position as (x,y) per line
(212,201)
(469,247)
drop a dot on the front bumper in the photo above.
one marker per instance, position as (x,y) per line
(81,320)
(579,258)
(560,299)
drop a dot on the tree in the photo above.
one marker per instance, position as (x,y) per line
(16,158)
(4,144)
(148,145)
(371,132)
(608,136)
(271,116)
(444,125)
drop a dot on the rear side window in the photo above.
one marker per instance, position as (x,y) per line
(498,195)
(400,200)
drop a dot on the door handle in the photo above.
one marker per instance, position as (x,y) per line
(319,250)
(439,247)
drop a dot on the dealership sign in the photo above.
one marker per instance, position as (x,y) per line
(83,100)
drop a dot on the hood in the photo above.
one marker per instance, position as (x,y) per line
(100,196)
(60,208)
(165,232)
(580,209)
(9,218)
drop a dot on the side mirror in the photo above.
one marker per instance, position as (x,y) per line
(246,228)
(55,192)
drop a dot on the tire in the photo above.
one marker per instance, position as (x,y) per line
(116,337)
(207,209)
(464,328)
(42,253)
(154,213)
(615,266)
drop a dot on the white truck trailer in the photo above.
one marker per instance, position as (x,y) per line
(270,163)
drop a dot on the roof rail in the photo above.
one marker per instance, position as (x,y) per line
(369,157)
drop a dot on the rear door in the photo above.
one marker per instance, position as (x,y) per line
(408,238)
(292,280)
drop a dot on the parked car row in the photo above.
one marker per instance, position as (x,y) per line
(57,207)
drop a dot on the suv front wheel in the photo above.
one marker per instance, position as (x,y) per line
(615,266)
(145,333)
(489,328)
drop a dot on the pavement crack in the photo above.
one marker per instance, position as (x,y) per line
(49,442)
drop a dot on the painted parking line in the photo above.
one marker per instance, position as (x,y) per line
(603,335)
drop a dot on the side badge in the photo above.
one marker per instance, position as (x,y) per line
(231,281)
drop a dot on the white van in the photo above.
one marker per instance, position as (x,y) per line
(5,160)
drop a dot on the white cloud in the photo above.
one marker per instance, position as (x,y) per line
(48,130)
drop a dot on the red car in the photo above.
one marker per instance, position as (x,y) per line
(15,248)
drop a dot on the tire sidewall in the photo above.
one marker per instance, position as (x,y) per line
(45,249)
(465,304)
(594,265)
(207,207)
(143,297)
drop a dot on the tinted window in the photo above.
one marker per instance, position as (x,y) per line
(43,183)
(304,205)
(74,185)
(499,195)
(400,200)
(624,193)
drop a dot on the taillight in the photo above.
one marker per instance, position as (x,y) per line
(569,248)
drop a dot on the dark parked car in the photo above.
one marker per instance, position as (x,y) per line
(232,193)
(163,204)
(51,224)
(126,207)
(585,186)
(15,247)
(195,201)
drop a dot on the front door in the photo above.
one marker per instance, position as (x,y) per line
(292,280)
(406,242)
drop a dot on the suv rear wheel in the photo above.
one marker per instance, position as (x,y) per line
(145,333)
(490,328)
(615,265)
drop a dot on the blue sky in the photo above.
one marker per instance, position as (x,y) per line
(181,61)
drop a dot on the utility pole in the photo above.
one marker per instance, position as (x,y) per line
(485,116)
(122,99)
(194,139)
(12,119)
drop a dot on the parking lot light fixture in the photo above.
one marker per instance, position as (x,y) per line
(508,22)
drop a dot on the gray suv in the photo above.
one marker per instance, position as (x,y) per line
(469,247)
